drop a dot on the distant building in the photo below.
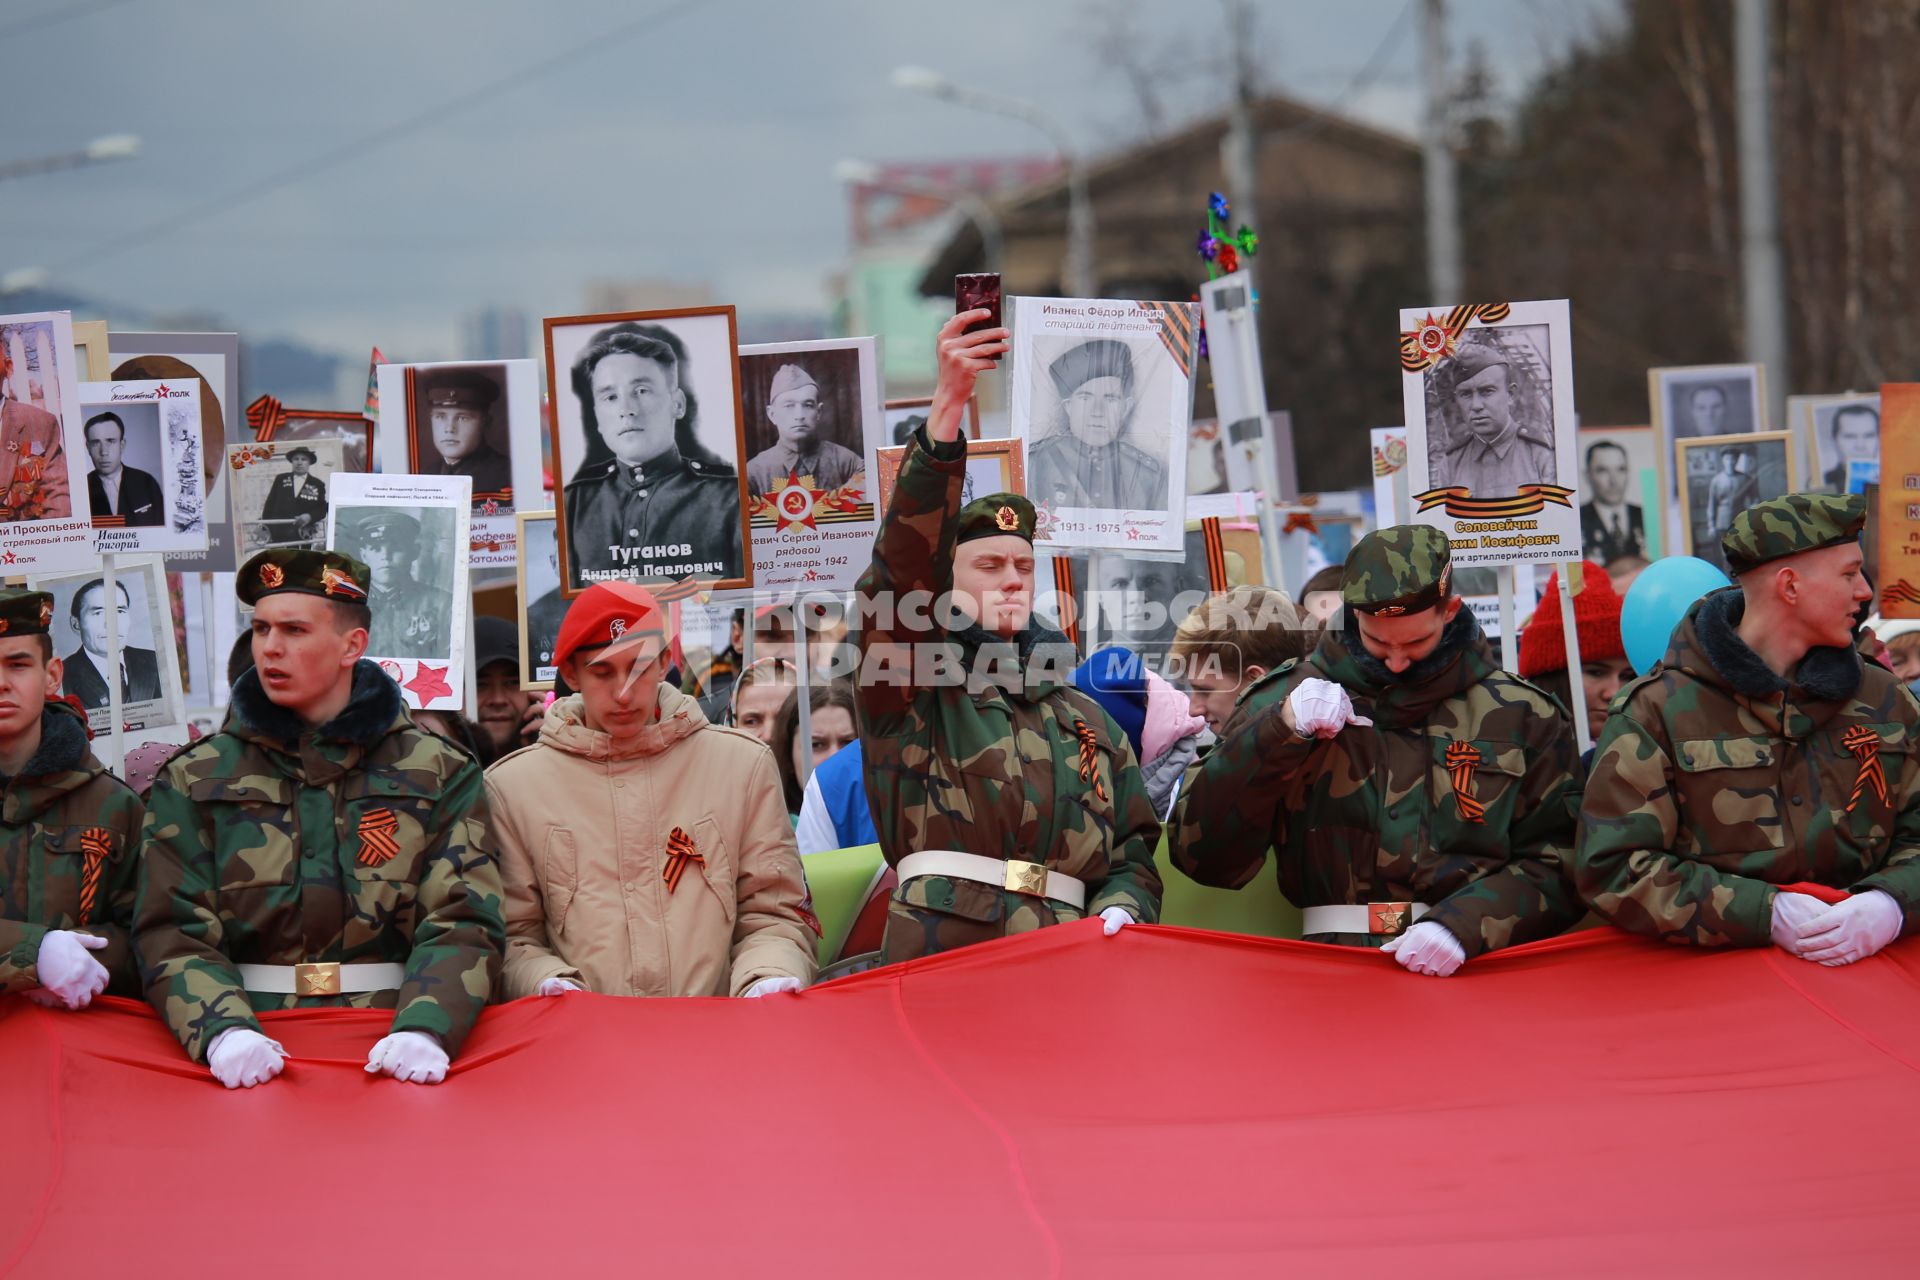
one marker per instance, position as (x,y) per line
(497,333)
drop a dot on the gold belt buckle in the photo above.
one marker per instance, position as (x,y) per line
(1388,918)
(320,979)
(1027,877)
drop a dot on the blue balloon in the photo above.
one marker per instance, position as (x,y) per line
(1656,602)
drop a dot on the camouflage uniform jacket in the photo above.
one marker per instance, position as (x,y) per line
(1024,768)
(69,831)
(1715,780)
(1462,796)
(364,841)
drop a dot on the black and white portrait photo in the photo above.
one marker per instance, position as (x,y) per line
(1844,430)
(146,479)
(1493,401)
(1696,401)
(542,607)
(210,361)
(408,555)
(122,489)
(146,665)
(457,426)
(649,447)
(279,493)
(1722,478)
(803,417)
(1096,450)
(1618,471)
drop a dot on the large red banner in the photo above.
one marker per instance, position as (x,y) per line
(1162,1103)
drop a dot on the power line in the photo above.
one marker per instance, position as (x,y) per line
(374,139)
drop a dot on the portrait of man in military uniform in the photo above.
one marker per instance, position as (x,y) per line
(408,554)
(280,497)
(454,421)
(1721,481)
(1093,452)
(1495,397)
(648,497)
(805,419)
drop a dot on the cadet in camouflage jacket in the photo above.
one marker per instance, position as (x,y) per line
(69,834)
(267,843)
(1717,780)
(1379,814)
(1026,769)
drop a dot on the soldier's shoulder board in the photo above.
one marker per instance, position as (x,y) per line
(594,474)
(711,470)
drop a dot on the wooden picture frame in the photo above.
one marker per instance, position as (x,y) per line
(1013,470)
(926,402)
(1757,443)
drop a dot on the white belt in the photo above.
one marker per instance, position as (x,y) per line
(1387,918)
(325,979)
(1021,877)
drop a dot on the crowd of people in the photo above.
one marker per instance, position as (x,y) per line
(644,834)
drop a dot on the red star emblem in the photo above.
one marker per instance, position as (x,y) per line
(9,558)
(793,506)
(429,683)
(160,392)
(491,507)
(1133,534)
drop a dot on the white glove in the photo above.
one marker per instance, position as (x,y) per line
(557,987)
(68,969)
(1321,709)
(1114,919)
(1428,948)
(241,1058)
(412,1056)
(1851,930)
(772,987)
(1790,911)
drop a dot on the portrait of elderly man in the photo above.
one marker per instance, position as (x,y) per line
(1492,448)
(86,667)
(647,483)
(296,507)
(1087,460)
(113,488)
(411,619)
(455,412)
(802,447)
(1610,526)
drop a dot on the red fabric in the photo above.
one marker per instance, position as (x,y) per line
(605,612)
(1161,1103)
(1596,616)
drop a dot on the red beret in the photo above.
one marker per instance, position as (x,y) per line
(1596,613)
(606,612)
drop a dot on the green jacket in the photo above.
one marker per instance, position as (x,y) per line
(68,835)
(363,841)
(1716,780)
(1019,766)
(1378,815)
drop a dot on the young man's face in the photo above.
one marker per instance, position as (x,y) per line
(1097,412)
(1486,401)
(1831,587)
(456,432)
(796,416)
(502,704)
(1708,405)
(1856,434)
(1607,476)
(91,625)
(1405,639)
(105,444)
(620,684)
(301,650)
(27,679)
(993,582)
(1214,683)
(636,402)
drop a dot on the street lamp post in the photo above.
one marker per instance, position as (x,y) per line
(973,208)
(1079,278)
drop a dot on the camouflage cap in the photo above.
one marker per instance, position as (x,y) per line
(25,613)
(994,515)
(1403,568)
(316,573)
(1788,525)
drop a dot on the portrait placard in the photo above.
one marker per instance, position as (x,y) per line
(1621,480)
(44,526)
(993,466)
(279,493)
(1102,399)
(1721,477)
(1896,528)
(148,663)
(1837,433)
(212,360)
(1692,402)
(411,532)
(904,417)
(273,422)
(1390,498)
(813,418)
(476,419)
(649,448)
(146,485)
(1491,455)
(542,607)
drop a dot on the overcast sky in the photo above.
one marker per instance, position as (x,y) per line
(635,138)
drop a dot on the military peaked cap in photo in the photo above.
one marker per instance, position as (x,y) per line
(379,526)
(1403,568)
(1100,358)
(994,515)
(459,389)
(1788,525)
(25,613)
(315,573)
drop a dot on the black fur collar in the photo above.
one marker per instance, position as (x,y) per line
(63,743)
(1460,633)
(370,712)
(1827,674)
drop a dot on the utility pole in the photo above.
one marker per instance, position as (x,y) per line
(1763,279)
(1444,279)
(1239,153)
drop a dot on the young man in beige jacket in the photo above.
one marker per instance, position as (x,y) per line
(645,852)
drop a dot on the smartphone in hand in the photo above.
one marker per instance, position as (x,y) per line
(979,289)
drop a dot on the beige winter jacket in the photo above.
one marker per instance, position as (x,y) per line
(584,838)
